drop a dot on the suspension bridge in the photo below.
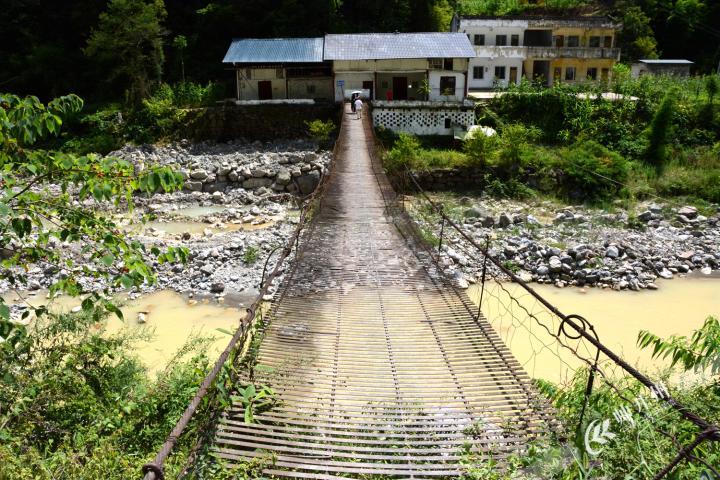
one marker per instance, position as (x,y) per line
(381,367)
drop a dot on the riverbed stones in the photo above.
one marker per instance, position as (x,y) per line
(555,264)
(198,175)
(504,220)
(307,183)
(688,212)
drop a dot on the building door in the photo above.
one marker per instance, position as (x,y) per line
(400,88)
(265,90)
(368,85)
(541,72)
(513,75)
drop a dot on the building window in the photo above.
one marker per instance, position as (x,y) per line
(311,89)
(592,73)
(436,63)
(573,41)
(447,64)
(608,41)
(500,73)
(447,85)
(594,42)
(570,73)
(514,40)
(500,40)
(558,41)
(479,39)
(478,73)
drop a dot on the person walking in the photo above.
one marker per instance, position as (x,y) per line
(358,107)
(353,97)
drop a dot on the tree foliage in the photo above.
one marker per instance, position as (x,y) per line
(50,204)
(659,133)
(128,42)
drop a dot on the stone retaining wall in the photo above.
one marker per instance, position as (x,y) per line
(255,122)
(451,178)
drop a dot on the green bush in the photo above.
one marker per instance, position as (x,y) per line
(589,171)
(81,405)
(404,153)
(513,144)
(480,149)
(320,131)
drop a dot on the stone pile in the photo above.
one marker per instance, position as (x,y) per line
(581,247)
(293,167)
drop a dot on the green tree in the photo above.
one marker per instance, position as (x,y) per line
(128,40)
(180,44)
(636,38)
(50,207)
(712,85)
(659,133)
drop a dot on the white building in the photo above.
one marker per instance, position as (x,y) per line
(499,51)
(417,82)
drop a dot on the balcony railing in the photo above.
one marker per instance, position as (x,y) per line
(494,51)
(573,52)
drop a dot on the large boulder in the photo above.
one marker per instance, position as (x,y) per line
(251,183)
(308,183)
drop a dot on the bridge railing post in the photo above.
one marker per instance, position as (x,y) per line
(442,229)
(484,274)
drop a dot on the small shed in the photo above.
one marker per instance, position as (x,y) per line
(280,68)
(662,66)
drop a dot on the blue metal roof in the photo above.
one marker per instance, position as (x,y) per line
(377,46)
(275,50)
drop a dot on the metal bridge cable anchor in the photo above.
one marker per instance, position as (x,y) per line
(584,326)
(152,471)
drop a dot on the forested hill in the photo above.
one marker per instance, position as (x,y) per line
(45,45)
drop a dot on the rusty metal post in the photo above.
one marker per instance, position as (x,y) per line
(484,272)
(442,229)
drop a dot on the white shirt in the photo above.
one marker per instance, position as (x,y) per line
(358,104)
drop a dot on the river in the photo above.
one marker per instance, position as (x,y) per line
(678,307)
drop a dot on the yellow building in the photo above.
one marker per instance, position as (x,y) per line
(567,49)
(570,49)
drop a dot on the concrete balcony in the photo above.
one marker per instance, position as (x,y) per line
(492,51)
(573,52)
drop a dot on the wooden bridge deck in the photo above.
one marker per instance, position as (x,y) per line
(381,368)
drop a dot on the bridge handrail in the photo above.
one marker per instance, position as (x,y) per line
(155,470)
(708,430)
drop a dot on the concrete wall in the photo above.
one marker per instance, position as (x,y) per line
(423,118)
(315,88)
(488,65)
(255,122)
(437,95)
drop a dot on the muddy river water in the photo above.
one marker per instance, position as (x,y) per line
(171,318)
(678,307)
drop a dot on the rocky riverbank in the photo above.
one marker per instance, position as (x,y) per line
(239,203)
(544,243)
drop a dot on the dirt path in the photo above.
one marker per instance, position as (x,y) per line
(381,368)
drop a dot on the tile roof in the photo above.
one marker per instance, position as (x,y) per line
(377,46)
(275,50)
